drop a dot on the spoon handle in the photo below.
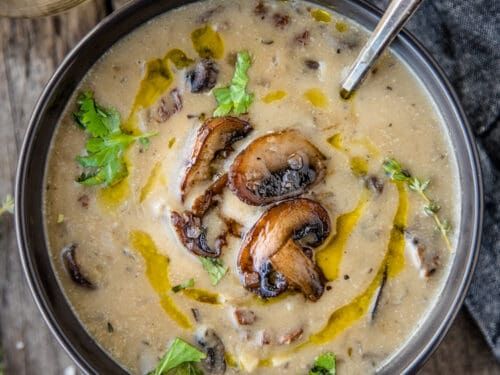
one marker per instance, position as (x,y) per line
(393,20)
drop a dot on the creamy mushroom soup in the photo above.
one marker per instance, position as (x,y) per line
(213,205)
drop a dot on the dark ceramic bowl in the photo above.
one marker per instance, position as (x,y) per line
(30,186)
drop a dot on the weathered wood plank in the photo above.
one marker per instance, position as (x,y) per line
(29,53)
(463,351)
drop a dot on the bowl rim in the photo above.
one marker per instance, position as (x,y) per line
(36,123)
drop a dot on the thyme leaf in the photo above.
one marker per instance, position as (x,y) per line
(396,172)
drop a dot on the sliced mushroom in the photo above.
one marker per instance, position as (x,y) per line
(203,203)
(277,252)
(193,234)
(275,167)
(189,226)
(204,76)
(69,260)
(215,136)
(211,344)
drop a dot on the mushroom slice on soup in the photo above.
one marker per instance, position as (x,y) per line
(214,139)
(274,167)
(276,254)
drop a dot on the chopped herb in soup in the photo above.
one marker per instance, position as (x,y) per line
(214,206)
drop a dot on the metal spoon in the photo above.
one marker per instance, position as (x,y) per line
(395,17)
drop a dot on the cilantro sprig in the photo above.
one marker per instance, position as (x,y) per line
(179,359)
(395,171)
(215,268)
(104,162)
(325,364)
(234,98)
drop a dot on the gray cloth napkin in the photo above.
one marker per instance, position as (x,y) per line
(464,37)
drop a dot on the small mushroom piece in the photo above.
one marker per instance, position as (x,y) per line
(374,183)
(69,260)
(274,167)
(212,345)
(424,259)
(373,310)
(203,77)
(244,317)
(205,201)
(291,336)
(168,106)
(276,253)
(216,135)
(193,234)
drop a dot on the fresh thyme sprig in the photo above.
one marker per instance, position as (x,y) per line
(396,172)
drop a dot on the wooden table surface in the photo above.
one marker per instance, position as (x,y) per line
(30,51)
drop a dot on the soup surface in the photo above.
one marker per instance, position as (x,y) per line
(303,226)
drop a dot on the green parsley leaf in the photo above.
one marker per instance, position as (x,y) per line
(186,284)
(215,268)
(186,369)
(178,355)
(104,160)
(234,98)
(7,205)
(96,120)
(325,364)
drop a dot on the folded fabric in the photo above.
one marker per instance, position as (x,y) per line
(464,36)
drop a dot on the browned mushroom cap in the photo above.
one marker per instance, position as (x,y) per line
(274,167)
(276,253)
(214,138)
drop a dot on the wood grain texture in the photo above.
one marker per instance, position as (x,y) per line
(30,50)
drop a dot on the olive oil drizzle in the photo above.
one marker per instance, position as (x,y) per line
(154,177)
(208,43)
(273,96)
(321,15)
(201,295)
(344,317)
(157,274)
(396,247)
(329,257)
(316,97)
(156,81)
(347,315)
